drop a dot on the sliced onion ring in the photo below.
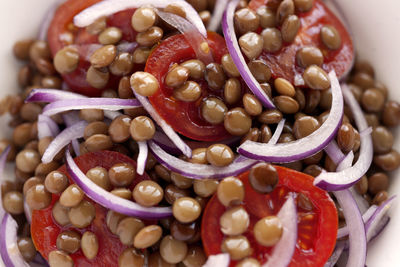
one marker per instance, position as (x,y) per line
(304,147)
(215,21)
(70,118)
(335,255)
(333,181)
(106,8)
(172,135)
(191,34)
(46,127)
(282,252)
(8,243)
(199,171)
(219,260)
(89,103)
(53,95)
(63,139)
(344,231)
(372,225)
(228,28)
(142,157)
(110,201)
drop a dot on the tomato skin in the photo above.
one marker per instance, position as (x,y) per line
(184,117)
(321,228)
(44,229)
(283,63)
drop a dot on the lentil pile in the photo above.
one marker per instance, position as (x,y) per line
(111,72)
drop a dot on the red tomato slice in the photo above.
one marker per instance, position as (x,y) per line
(317,228)
(283,63)
(184,117)
(62,25)
(44,229)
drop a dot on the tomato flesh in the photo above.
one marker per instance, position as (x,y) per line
(44,229)
(61,26)
(283,63)
(184,117)
(317,227)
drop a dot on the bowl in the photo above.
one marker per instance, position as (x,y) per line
(375,26)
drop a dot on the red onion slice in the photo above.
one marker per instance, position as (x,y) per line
(3,160)
(70,118)
(110,201)
(347,161)
(333,181)
(8,243)
(46,127)
(53,95)
(191,34)
(335,255)
(172,135)
(64,138)
(142,157)
(28,212)
(282,252)
(372,226)
(334,152)
(106,8)
(228,28)
(344,231)
(355,224)
(304,147)
(112,104)
(215,21)
(278,131)
(199,171)
(219,260)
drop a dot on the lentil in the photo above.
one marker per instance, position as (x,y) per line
(56,182)
(171,250)
(27,248)
(97,78)
(230,191)
(373,100)
(246,20)
(119,129)
(316,78)
(60,259)
(234,221)
(251,44)
(377,182)
(286,104)
(268,231)
(252,105)
(68,241)
(238,247)
(229,66)
(196,68)
(189,92)
(122,64)
(13,202)
(109,36)
(215,76)
(330,37)
(219,155)
(150,37)
(144,83)
(37,197)
(60,214)
(263,178)
(128,228)
(147,236)
(121,174)
(89,245)
(131,257)
(82,215)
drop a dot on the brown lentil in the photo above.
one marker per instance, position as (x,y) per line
(391,114)
(140,55)
(263,178)
(186,209)
(60,214)
(249,262)
(213,110)
(196,68)
(234,221)
(97,127)
(268,231)
(121,174)
(91,115)
(260,70)
(150,37)
(313,170)
(172,193)
(230,191)
(27,160)
(109,36)
(237,121)
(290,27)
(377,182)
(124,193)
(189,92)
(119,129)
(13,202)
(271,116)
(132,258)
(205,16)
(27,185)
(122,65)
(147,236)
(155,260)
(285,9)
(99,176)
(98,142)
(97,78)
(69,241)
(60,259)
(143,19)
(309,55)
(113,219)
(142,128)
(382,139)
(215,76)
(330,37)
(251,44)
(229,66)
(71,196)
(267,17)
(195,257)
(284,87)
(27,248)
(89,245)
(183,232)
(37,197)
(97,26)
(286,104)
(379,198)
(177,76)
(373,100)
(238,247)
(56,182)
(205,188)
(148,193)
(21,49)
(171,250)
(127,230)
(246,20)
(219,155)
(252,105)
(266,134)
(82,215)
(316,78)
(144,83)
(363,80)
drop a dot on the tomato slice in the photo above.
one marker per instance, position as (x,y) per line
(283,63)
(44,229)
(317,226)
(184,117)
(62,26)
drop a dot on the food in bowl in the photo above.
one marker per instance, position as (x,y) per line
(155,133)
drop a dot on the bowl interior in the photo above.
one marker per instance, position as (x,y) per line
(375,26)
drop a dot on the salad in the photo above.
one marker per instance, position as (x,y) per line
(195,133)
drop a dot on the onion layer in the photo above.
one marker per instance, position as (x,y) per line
(220,260)
(110,201)
(142,157)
